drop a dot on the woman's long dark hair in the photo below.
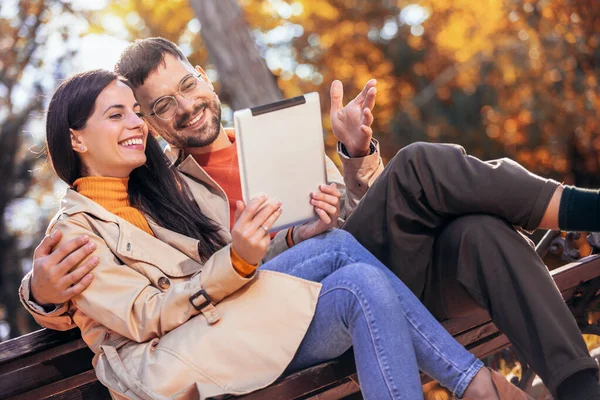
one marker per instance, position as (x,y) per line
(155,188)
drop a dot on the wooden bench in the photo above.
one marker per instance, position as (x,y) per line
(50,364)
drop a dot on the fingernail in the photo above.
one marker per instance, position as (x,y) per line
(94,259)
(89,276)
(91,246)
(53,233)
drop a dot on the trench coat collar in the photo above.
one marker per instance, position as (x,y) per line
(132,242)
(187,165)
(74,203)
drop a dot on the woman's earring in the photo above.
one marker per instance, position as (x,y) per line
(82,148)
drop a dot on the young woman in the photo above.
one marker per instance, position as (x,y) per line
(177,308)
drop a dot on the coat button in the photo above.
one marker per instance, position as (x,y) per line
(164,283)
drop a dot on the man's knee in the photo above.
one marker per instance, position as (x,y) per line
(423,166)
(424,154)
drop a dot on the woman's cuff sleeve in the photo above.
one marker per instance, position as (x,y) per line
(241,266)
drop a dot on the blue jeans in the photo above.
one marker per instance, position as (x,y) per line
(365,306)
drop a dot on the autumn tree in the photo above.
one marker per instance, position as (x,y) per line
(26,27)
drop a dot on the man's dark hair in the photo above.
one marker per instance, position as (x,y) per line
(143,57)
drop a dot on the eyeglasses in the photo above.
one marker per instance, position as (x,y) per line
(165,107)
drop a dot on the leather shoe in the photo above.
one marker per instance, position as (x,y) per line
(504,389)
(507,390)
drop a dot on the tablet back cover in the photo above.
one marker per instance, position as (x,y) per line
(281,153)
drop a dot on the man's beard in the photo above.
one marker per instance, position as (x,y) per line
(206,134)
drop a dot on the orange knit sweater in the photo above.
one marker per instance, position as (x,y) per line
(111,193)
(222,165)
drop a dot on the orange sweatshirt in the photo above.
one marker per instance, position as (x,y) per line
(222,165)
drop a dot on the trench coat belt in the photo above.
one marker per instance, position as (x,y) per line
(202,302)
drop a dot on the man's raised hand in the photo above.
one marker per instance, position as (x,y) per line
(54,279)
(352,124)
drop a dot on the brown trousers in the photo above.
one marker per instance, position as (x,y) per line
(443,222)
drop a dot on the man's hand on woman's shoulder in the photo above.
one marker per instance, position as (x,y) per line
(54,279)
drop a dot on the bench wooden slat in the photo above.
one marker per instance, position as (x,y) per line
(477,334)
(34,342)
(456,326)
(567,281)
(487,348)
(68,389)
(44,356)
(307,381)
(36,375)
(343,391)
(89,391)
(587,269)
(355,396)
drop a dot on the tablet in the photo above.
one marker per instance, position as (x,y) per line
(281,153)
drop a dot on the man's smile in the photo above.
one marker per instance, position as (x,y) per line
(195,121)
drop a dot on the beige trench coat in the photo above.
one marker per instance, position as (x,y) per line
(149,341)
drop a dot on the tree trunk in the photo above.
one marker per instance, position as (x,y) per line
(246,81)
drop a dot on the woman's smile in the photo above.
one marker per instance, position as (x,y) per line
(133,143)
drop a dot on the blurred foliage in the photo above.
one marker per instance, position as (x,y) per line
(173,20)
(501,77)
(28,72)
